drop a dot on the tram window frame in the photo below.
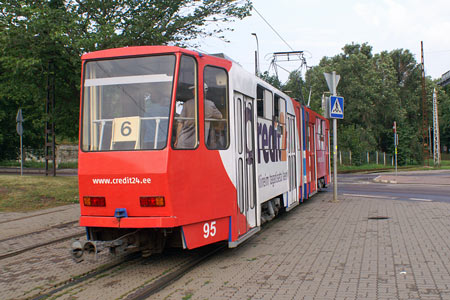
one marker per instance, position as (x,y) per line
(264,102)
(268,108)
(298,113)
(207,86)
(322,134)
(277,111)
(175,124)
(307,131)
(276,107)
(260,101)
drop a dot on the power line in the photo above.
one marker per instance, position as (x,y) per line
(271,27)
(437,51)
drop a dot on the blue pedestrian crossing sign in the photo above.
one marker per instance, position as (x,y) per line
(336,107)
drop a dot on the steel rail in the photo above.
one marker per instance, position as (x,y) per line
(17,252)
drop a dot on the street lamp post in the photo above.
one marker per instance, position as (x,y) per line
(256,55)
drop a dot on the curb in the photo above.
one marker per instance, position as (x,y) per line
(35,171)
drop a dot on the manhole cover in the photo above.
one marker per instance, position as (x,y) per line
(378,218)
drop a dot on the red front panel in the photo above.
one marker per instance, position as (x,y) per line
(122,178)
(194,183)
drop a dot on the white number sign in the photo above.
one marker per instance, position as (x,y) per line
(209,230)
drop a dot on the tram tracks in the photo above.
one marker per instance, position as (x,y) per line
(73,282)
(31,216)
(148,276)
(22,243)
(151,288)
(38,231)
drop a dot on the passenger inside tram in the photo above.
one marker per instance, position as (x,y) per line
(185,136)
(156,117)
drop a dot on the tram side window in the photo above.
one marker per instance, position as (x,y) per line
(268,104)
(185,128)
(216,108)
(299,116)
(260,101)
(307,129)
(264,103)
(279,117)
(319,134)
(322,134)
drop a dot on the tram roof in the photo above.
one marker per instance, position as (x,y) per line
(136,51)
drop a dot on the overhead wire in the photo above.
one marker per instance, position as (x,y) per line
(273,62)
(271,27)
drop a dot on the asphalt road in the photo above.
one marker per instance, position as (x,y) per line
(363,185)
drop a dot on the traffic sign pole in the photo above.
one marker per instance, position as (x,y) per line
(333,92)
(332,82)
(21,156)
(395,145)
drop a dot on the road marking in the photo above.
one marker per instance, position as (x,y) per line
(370,196)
(385,197)
(420,199)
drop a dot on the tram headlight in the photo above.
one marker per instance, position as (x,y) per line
(152,201)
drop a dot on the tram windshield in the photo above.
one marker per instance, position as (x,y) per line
(126,103)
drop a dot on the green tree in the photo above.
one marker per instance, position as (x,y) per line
(34,48)
(295,86)
(271,79)
(41,43)
(134,23)
(378,89)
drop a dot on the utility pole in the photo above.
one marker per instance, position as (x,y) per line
(19,128)
(424,112)
(436,141)
(256,55)
(49,122)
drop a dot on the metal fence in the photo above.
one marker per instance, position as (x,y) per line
(64,154)
(69,154)
(347,158)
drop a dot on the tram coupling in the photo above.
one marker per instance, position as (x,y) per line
(88,250)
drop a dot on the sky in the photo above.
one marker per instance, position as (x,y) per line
(323,27)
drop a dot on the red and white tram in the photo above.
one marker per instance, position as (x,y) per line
(185,149)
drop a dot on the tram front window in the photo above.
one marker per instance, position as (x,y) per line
(126,103)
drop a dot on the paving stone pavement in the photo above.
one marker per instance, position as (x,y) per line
(14,224)
(354,249)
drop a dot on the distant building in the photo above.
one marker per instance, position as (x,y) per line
(445,79)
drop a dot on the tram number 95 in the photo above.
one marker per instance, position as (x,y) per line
(209,229)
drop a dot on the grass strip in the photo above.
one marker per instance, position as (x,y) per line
(29,193)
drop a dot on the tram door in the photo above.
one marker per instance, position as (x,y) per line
(245,150)
(292,161)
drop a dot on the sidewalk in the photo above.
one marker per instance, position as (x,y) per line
(353,249)
(432,177)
